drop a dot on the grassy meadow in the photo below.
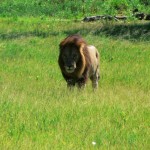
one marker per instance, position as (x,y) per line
(38,112)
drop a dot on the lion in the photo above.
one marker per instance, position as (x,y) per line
(78,62)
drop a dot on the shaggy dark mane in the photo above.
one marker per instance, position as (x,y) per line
(75,40)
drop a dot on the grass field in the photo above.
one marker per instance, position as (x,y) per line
(38,112)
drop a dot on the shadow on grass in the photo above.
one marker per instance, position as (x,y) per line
(16,35)
(125,31)
(134,31)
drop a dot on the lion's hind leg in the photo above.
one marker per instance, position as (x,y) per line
(94,78)
(95,83)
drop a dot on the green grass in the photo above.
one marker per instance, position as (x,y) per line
(38,112)
(76,9)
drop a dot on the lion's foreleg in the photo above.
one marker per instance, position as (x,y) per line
(81,83)
(70,83)
(69,80)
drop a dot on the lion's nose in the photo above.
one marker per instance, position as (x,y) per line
(69,67)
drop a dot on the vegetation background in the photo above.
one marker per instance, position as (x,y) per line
(70,9)
(37,111)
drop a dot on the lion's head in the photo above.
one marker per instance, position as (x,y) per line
(71,57)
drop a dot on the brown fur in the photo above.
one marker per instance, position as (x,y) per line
(82,59)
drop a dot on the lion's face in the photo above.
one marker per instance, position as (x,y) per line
(70,56)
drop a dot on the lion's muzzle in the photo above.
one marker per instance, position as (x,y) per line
(70,68)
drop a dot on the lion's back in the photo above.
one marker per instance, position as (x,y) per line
(94,55)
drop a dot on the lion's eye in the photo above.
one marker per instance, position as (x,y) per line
(64,56)
(74,56)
